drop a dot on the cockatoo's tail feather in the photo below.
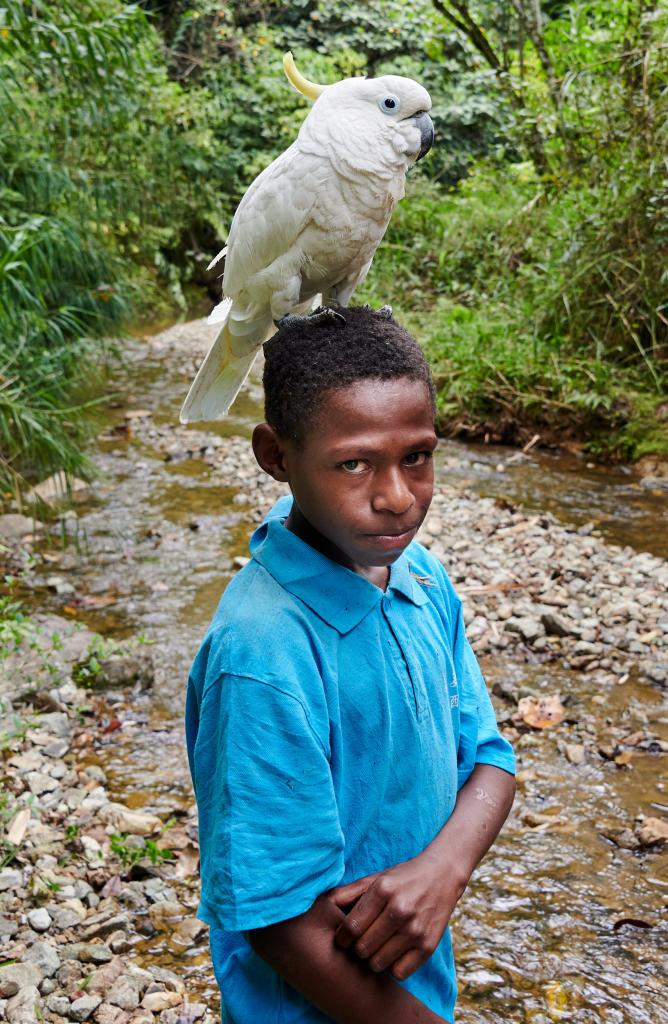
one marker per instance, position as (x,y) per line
(223,372)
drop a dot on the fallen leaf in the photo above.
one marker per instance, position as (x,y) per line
(113,725)
(624,758)
(540,712)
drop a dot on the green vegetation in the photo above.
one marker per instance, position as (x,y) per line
(531,255)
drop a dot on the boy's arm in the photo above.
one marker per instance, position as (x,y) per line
(304,952)
(399,915)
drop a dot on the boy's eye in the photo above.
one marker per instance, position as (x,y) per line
(353,466)
(418,458)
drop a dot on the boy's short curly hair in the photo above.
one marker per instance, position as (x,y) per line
(304,360)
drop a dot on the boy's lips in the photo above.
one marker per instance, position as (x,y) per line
(393,540)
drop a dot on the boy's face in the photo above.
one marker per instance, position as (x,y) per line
(362,478)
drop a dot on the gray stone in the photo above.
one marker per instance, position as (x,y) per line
(58,1004)
(126,669)
(125,993)
(586,647)
(84,1008)
(104,923)
(8,926)
(66,918)
(558,625)
(88,952)
(10,879)
(40,783)
(528,627)
(39,919)
(45,956)
(25,1006)
(24,974)
(15,527)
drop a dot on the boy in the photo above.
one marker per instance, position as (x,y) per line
(347,765)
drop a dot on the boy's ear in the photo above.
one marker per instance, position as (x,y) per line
(269,451)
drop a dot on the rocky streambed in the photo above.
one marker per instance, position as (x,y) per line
(98,890)
(85,878)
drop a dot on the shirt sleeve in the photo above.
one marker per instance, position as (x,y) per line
(270,837)
(480,741)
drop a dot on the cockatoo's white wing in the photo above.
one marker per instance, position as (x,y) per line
(270,218)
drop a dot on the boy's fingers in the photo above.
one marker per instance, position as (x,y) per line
(390,952)
(408,964)
(369,906)
(345,895)
(382,932)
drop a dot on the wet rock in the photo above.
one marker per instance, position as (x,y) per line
(39,919)
(622,837)
(164,911)
(575,752)
(653,832)
(83,1008)
(190,930)
(482,982)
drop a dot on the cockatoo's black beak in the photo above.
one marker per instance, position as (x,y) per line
(425,124)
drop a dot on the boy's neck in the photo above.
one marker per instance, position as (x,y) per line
(296,522)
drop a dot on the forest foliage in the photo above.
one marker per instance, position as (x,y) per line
(530,256)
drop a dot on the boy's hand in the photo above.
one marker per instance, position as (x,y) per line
(396,918)
(399,915)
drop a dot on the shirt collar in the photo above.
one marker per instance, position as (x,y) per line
(339,596)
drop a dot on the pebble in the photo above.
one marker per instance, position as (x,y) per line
(10,879)
(39,919)
(83,1008)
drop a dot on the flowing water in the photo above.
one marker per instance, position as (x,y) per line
(543,933)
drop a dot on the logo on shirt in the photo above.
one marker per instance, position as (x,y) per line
(454,700)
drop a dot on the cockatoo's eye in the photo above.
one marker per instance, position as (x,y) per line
(389,104)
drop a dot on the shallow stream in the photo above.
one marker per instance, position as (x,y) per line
(543,933)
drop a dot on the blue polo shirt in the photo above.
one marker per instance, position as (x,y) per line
(329,725)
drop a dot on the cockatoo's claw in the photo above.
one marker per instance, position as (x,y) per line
(321,315)
(384,311)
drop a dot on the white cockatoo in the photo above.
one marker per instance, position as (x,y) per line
(310,223)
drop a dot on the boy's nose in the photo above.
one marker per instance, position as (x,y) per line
(392,495)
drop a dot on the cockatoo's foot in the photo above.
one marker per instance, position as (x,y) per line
(321,315)
(384,311)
